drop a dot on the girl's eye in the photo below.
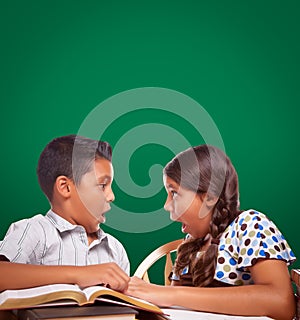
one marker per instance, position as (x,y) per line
(173,193)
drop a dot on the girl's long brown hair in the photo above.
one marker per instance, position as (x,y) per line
(206,170)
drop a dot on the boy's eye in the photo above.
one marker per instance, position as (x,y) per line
(102,186)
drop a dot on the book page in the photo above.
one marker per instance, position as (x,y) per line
(89,291)
(128,304)
(97,292)
(24,298)
(103,291)
(36,291)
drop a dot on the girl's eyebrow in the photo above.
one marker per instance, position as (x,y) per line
(171,186)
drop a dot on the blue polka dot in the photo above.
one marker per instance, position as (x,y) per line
(232,262)
(285,255)
(262,253)
(292,254)
(265,245)
(220,274)
(185,270)
(250,251)
(260,227)
(279,256)
(233,234)
(241,221)
(258,235)
(245,232)
(246,276)
(222,247)
(275,239)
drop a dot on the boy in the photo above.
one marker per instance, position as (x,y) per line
(67,245)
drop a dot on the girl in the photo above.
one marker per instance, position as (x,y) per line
(232,261)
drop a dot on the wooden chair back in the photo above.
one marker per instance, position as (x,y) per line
(164,250)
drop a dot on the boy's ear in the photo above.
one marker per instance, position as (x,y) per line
(211,200)
(62,186)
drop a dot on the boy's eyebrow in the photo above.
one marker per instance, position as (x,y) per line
(171,186)
(107,177)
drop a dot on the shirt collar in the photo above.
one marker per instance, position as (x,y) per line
(63,225)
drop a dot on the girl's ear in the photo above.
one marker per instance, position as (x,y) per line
(62,186)
(211,200)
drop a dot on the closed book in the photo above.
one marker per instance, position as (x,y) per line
(71,312)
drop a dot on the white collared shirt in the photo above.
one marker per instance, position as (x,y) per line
(51,240)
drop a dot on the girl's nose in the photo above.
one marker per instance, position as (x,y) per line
(168,204)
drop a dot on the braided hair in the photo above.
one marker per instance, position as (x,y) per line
(205,170)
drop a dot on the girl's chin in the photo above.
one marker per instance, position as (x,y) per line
(184,228)
(191,232)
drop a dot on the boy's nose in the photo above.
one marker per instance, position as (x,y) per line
(110,197)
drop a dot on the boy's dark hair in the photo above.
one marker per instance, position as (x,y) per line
(71,156)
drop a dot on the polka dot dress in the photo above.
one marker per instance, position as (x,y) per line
(251,236)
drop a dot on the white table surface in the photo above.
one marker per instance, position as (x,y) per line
(182,314)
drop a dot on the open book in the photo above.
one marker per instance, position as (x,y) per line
(68,294)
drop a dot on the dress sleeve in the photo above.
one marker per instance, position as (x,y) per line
(259,238)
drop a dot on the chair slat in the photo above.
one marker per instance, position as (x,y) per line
(155,255)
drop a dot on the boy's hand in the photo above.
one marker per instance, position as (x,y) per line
(109,274)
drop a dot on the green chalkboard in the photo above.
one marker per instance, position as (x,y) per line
(140,74)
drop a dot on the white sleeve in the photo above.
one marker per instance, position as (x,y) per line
(22,241)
